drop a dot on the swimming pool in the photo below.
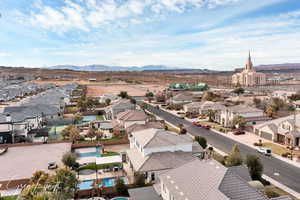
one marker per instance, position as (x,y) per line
(86,185)
(110,182)
(96,153)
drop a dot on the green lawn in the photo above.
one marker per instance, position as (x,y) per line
(106,154)
(99,117)
(279,150)
(9,198)
(93,166)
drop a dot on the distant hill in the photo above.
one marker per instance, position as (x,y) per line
(112,68)
(285,67)
(149,68)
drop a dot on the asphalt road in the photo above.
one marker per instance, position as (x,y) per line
(289,175)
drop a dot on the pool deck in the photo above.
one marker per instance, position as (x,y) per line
(102,175)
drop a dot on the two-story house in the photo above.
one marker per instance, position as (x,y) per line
(284,130)
(208,180)
(251,115)
(153,151)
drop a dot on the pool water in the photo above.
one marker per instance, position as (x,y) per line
(110,182)
(86,185)
(96,153)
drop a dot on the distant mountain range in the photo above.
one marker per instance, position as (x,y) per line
(161,68)
(285,67)
(112,68)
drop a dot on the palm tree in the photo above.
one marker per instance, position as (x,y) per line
(211,115)
(239,121)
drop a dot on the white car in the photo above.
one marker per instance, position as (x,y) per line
(264,151)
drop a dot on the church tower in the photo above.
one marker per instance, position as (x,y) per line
(249,65)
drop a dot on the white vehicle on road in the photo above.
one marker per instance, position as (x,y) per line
(264,151)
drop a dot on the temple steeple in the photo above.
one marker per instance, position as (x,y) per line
(249,65)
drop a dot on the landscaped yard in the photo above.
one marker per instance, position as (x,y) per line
(216,126)
(279,150)
(106,154)
(93,166)
(102,140)
(279,191)
(9,198)
(99,117)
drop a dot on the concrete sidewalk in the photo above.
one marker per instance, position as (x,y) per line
(249,139)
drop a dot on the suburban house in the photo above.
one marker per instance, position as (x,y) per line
(203,107)
(283,130)
(18,121)
(251,115)
(207,180)
(182,98)
(130,117)
(122,105)
(282,94)
(105,127)
(153,151)
(147,125)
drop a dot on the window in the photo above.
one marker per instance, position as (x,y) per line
(152,176)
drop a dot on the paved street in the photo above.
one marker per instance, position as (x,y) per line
(289,175)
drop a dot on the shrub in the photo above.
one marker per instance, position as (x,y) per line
(183,131)
(202,141)
(286,154)
(234,158)
(257,144)
(210,148)
(271,194)
(255,166)
(264,181)
(121,188)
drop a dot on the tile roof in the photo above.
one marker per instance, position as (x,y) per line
(208,180)
(132,115)
(144,193)
(159,138)
(159,160)
(137,127)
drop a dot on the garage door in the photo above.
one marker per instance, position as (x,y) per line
(266,135)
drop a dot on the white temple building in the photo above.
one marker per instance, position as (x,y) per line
(249,77)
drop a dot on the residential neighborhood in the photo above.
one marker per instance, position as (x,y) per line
(149,100)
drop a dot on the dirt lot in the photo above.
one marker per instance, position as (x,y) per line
(133,90)
(81,82)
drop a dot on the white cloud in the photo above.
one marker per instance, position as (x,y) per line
(3,54)
(95,13)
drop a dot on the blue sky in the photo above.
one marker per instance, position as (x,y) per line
(214,34)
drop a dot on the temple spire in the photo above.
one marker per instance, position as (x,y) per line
(249,63)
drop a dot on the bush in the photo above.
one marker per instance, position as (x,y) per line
(264,181)
(183,131)
(234,157)
(286,154)
(271,194)
(255,166)
(202,141)
(210,148)
(121,188)
(257,144)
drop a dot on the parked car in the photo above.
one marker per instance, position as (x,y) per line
(238,132)
(206,127)
(196,124)
(264,151)
(52,165)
